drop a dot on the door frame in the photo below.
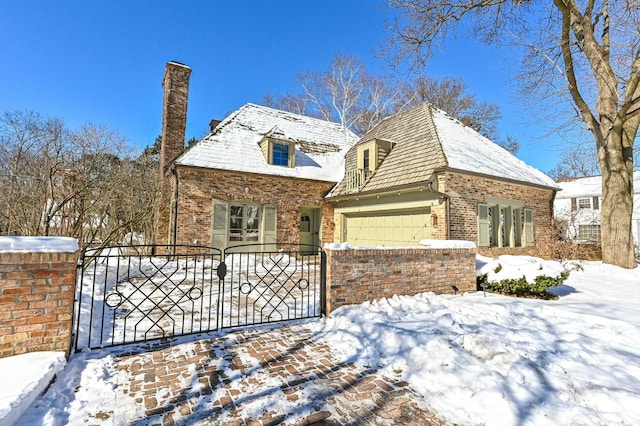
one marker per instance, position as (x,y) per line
(315,216)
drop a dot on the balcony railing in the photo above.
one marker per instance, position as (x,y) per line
(356,178)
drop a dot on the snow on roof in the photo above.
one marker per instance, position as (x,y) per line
(468,150)
(590,186)
(234,144)
(38,244)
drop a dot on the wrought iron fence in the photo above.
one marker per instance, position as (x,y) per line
(272,282)
(139,293)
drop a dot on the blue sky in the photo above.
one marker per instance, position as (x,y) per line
(103,61)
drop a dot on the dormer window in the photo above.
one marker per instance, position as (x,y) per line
(278,149)
(365,160)
(280,153)
(372,153)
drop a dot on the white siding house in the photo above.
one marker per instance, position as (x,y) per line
(579,202)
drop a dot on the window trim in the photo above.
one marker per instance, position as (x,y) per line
(587,205)
(221,226)
(504,225)
(277,152)
(268,144)
(366,159)
(594,232)
(290,152)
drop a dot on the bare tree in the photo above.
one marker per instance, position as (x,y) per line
(344,93)
(451,94)
(578,161)
(348,94)
(33,154)
(295,103)
(586,52)
(83,184)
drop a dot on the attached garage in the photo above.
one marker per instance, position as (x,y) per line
(390,228)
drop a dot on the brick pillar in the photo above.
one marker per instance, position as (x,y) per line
(36,301)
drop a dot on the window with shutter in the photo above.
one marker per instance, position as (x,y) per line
(483,225)
(269,226)
(584,203)
(239,223)
(503,225)
(219,224)
(528,227)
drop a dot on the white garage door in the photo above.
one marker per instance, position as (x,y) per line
(388,229)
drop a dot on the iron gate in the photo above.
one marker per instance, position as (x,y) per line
(132,294)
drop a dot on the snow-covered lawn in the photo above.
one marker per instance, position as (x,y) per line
(501,360)
(493,360)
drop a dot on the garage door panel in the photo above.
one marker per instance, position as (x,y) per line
(389,229)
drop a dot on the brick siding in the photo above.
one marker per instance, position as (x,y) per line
(36,296)
(466,191)
(199,187)
(355,276)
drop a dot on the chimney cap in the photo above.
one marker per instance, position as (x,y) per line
(213,124)
(177,63)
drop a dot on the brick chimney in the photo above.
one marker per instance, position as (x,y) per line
(174,112)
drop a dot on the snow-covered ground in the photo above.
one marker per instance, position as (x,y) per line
(493,360)
(501,360)
(24,378)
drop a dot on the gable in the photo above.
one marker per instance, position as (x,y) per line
(427,140)
(415,154)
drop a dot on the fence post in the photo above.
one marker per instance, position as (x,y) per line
(323,282)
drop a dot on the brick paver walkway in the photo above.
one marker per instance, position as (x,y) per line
(262,377)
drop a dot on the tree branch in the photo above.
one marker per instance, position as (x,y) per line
(589,118)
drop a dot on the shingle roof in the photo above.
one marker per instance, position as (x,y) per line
(427,139)
(233,145)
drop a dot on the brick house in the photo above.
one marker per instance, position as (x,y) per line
(260,176)
(421,174)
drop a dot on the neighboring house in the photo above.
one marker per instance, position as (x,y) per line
(421,174)
(578,206)
(260,176)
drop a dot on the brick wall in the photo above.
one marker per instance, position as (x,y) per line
(198,187)
(355,276)
(36,300)
(466,191)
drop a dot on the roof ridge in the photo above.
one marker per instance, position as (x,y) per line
(436,134)
(295,114)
